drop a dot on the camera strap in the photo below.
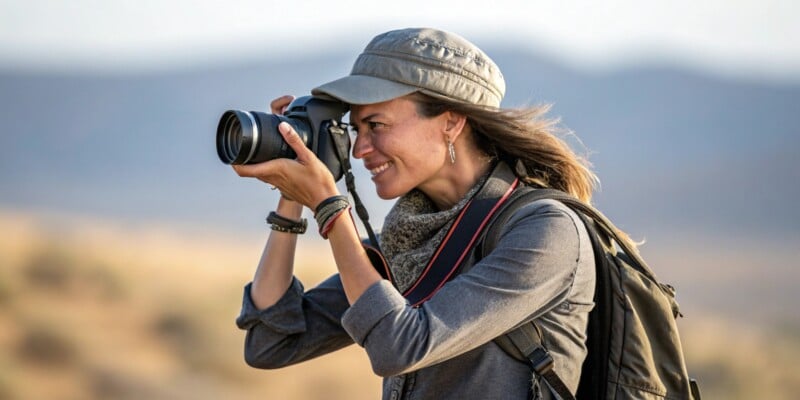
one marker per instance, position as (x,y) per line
(462,236)
(342,145)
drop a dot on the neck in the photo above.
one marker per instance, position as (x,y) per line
(456,180)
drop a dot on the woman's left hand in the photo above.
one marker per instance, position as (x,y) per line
(305,179)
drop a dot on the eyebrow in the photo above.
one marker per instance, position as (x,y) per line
(367,118)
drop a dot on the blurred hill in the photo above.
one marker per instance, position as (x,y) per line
(84,314)
(702,168)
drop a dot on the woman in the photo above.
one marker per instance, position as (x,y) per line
(425,106)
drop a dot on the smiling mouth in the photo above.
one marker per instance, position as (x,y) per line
(377,170)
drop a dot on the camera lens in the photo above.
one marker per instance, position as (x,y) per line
(237,137)
(248,137)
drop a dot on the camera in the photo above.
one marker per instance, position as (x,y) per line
(249,137)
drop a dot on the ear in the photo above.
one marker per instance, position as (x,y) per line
(454,124)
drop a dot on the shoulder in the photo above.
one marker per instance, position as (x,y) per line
(546,213)
(543,222)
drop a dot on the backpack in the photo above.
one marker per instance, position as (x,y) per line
(634,350)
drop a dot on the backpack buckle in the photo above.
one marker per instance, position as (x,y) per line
(541,361)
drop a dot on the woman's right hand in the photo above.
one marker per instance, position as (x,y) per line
(304,179)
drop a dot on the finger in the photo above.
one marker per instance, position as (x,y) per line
(262,171)
(244,171)
(293,140)
(278,106)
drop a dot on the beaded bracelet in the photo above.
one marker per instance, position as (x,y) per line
(282,224)
(328,211)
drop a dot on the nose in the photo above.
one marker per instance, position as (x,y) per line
(362,146)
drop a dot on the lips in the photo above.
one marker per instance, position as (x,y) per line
(380,168)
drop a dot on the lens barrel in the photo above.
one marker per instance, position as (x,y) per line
(248,137)
(237,137)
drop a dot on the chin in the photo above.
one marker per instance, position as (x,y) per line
(389,193)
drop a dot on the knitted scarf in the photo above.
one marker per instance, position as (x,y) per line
(412,231)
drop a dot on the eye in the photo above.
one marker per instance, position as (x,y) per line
(373,125)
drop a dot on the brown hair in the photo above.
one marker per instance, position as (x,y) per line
(522,136)
(528,142)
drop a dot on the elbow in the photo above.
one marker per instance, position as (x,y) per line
(386,369)
(254,361)
(258,360)
(385,366)
(262,361)
(397,357)
(257,355)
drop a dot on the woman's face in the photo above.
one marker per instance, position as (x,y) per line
(401,149)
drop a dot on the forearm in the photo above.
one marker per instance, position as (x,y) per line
(355,270)
(276,267)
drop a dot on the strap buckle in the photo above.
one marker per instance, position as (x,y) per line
(541,361)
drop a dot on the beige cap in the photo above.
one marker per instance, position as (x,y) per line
(436,63)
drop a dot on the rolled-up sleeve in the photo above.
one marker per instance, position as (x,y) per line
(378,301)
(300,326)
(285,316)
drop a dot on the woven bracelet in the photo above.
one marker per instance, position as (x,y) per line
(324,229)
(328,210)
(328,201)
(282,224)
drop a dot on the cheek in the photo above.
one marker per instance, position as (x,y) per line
(430,150)
(417,155)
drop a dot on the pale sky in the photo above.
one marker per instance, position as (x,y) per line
(751,38)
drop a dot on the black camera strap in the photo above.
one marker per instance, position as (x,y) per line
(342,145)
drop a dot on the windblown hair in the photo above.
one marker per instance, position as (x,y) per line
(526,140)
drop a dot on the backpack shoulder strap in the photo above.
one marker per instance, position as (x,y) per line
(594,220)
(525,343)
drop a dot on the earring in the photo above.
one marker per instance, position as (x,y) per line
(452,150)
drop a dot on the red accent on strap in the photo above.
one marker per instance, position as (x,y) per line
(438,250)
(466,249)
(384,264)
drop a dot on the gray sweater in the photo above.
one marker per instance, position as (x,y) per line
(542,268)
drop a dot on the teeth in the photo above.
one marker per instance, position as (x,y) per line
(379,169)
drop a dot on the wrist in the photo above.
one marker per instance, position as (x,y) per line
(287,225)
(289,208)
(328,211)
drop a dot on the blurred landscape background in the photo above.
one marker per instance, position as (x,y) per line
(126,243)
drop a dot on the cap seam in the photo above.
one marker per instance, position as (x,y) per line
(467,54)
(457,76)
(460,51)
(418,57)
(432,61)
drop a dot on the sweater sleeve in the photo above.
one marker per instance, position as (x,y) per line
(300,326)
(531,271)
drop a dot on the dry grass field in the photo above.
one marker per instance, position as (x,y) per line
(97,310)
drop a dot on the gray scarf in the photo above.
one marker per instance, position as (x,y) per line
(412,231)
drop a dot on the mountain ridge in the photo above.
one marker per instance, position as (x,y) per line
(141,145)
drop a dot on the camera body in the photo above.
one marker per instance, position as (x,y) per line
(249,137)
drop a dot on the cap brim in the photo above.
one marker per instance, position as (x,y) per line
(363,89)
